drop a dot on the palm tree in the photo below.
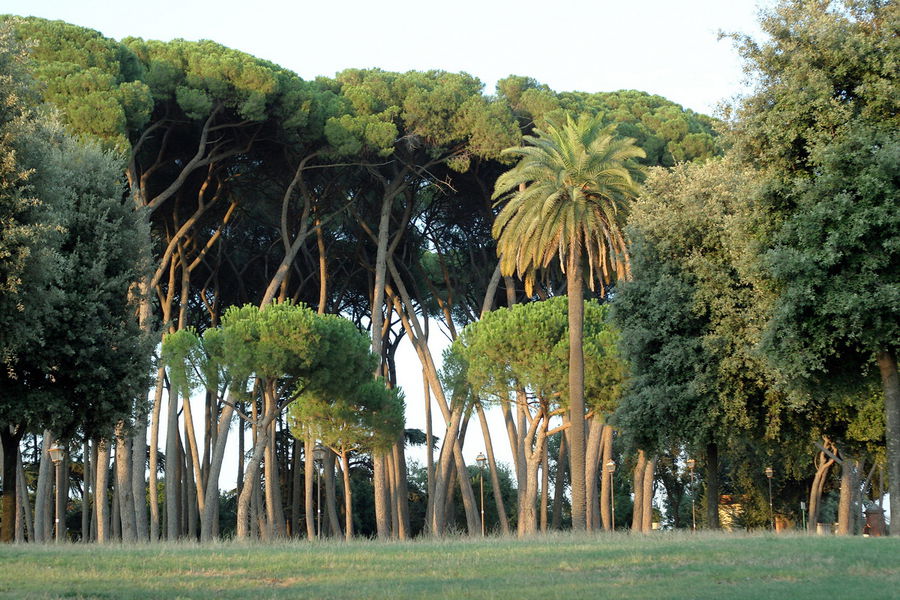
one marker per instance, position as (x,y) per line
(567,197)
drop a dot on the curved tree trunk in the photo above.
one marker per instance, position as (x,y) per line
(575,292)
(251,477)
(211,504)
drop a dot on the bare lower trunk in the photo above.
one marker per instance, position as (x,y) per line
(606,487)
(173,483)
(24,503)
(10,447)
(890,383)
(62,497)
(559,483)
(211,503)
(138,482)
(545,484)
(712,486)
(309,467)
(647,508)
(815,492)
(124,487)
(637,512)
(86,491)
(42,493)
(495,478)
(251,477)
(846,505)
(592,462)
(348,496)
(401,493)
(100,491)
(334,522)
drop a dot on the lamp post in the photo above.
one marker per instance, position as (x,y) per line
(318,457)
(769,473)
(691,463)
(481,459)
(57,454)
(611,468)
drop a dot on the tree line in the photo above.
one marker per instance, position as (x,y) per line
(184,210)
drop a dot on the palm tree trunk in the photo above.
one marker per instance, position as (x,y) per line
(576,387)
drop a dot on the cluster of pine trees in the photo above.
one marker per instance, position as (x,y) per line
(185,219)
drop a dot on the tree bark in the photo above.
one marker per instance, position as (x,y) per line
(606,487)
(10,444)
(559,483)
(100,491)
(24,504)
(138,482)
(252,476)
(712,486)
(334,521)
(211,503)
(647,508)
(592,462)
(348,495)
(495,478)
(309,467)
(86,491)
(637,512)
(42,499)
(124,487)
(887,365)
(576,387)
(815,492)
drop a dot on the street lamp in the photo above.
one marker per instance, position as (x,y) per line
(691,463)
(769,473)
(481,460)
(57,454)
(318,457)
(611,468)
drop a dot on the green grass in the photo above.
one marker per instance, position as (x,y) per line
(663,565)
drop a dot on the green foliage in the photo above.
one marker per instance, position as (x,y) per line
(836,261)
(578,179)
(528,345)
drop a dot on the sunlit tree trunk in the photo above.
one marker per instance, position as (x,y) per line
(637,512)
(575,292)
(606,487)
(124,485)
(647,507)
(100,491)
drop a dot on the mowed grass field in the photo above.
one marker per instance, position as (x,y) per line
(662,565)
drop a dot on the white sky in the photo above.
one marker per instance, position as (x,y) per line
(665,47)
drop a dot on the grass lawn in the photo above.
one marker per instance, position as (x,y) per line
(662,565)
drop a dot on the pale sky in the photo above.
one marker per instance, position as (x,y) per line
(665,47)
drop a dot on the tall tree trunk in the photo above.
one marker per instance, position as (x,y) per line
(42,499)
(211,503)
(296,487)
(401,490)
(592,460)
(606,481)
(309,467)
(887,365)
(24,504)
(274,508)
(846,504)
(647,508)
(124,487)
(62,497)
(545,484)
(138,483)
(173,484)
(712,486)
(334,521)
(560,482)
(86,491)
(348,495)
(251,477)
(495,478)
(192,474)
(576,387)
(637,512)
(10,443)
(101,491)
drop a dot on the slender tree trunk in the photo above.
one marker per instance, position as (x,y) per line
(193,474)
(495,478)
(211,503)
(592,460)
(100,491)
(173,484)
(348,495)
(251,477)
(62,496)
(85,491)
(545,484)
(24,503)
(846,505)
(712,486)
(887,364)
(138,482)
(296,488)
(43,490)
(401,490)
(10,444)
(124,487)
(576,387)
(815,492)
(606,482)
(647,508)
(637,512)
(334,521)
(309,466)
(560,483)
